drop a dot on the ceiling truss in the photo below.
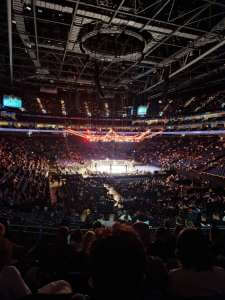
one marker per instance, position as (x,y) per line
(181,37)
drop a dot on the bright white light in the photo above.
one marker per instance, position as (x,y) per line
(103,168)
(63,108)
(118,169)
(142,110)
(41,106)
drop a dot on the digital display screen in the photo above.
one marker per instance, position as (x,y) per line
(142,110)
(10,101)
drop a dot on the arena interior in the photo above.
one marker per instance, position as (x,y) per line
(112,149)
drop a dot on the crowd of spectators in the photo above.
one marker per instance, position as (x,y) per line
(116,255)
(79,194)
(29,167)
(172,200)
(216,167)
(190,152)
(23,173)
(122,262)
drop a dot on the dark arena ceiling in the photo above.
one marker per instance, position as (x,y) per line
(153,48)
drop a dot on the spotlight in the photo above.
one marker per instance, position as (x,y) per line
(27,7)
(29,45)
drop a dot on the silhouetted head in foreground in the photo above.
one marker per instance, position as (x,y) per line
(193,250)
(118,264)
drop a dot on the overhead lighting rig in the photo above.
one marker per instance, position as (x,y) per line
(112,136)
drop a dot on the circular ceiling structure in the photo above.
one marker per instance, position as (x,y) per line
(112,43)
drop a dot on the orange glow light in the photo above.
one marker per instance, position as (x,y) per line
(112,136)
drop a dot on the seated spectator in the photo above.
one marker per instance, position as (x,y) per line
(197,275)
(57,257)
(76,240)
(12,285)
(143,232)
(118,266)
(164,245)
(88,239)
(156,274)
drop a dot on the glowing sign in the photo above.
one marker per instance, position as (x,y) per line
(10,101)
(142,110)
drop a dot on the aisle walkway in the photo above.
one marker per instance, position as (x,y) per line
(116,196)
(53,188)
